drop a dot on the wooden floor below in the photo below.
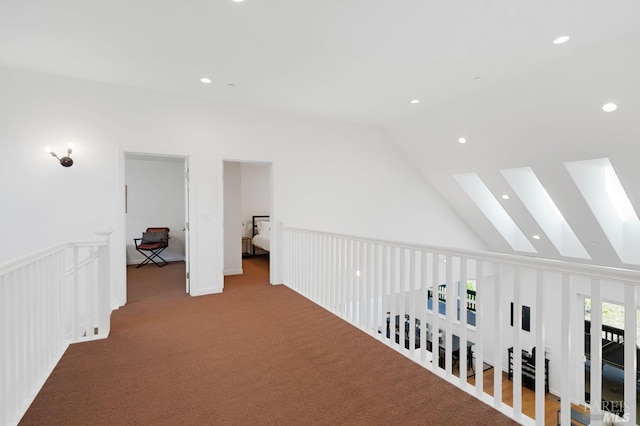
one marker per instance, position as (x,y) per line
(552,403)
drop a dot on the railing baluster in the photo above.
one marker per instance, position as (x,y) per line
(10,329)
(451,314)
(517,346)
(423,303)
(344,288)
(401,302)
(393,282)
(497,367)
(479,346)
(565,348)
(378,314)
(462,295)
(4,348)
(540,356)
(596,350)
(21,326)
(413,299)
(349,280)
(630,352)
(355,278)
(364,287)
(435,303)
(335,272)
(322,270)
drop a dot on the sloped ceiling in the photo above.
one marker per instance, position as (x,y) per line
(541,119)
(485,70)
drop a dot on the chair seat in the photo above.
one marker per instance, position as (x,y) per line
(150,246)
(152,243)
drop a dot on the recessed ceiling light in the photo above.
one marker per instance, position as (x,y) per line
(561,40)
(536,236)
(505,196)
(238,1)
(462,140)
(415,101)
(205,80)
(610,107)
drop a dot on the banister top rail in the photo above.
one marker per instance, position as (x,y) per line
(87,243)
(593,271)
(12,265)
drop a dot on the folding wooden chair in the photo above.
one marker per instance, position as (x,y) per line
(153,242)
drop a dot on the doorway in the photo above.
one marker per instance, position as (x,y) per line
(156,195)
(247,213)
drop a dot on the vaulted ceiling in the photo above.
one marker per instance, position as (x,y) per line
(483,70)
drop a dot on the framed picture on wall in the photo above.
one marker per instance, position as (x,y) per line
(525,319)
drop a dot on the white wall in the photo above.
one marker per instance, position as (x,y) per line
(327,175)
(155,198)
(232,218)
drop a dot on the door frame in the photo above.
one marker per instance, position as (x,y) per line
(119,268)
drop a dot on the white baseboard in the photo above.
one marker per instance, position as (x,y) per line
(232,272)
(205,291)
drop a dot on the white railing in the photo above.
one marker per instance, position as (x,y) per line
(48,300)
(366,281)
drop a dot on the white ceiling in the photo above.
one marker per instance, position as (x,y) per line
(355,60)
(483,69)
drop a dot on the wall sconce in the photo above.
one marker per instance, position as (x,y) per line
(65,161)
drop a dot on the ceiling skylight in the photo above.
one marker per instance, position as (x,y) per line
(537,200)
(493,210)
(618,197)
(603,191)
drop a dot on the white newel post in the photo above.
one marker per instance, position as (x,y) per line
(104,285)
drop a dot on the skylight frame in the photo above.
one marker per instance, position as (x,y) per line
(604,193)
(476,189)
(544,211)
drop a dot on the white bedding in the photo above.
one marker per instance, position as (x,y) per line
(261,241)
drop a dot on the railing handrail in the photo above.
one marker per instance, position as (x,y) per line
(629,276)
(21,261)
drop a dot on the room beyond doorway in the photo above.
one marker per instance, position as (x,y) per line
(156,191)
(247,196)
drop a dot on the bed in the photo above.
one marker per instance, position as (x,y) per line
(261,234)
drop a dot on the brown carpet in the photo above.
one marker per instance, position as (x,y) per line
(256,354)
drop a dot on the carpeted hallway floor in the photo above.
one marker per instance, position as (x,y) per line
(256,354)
